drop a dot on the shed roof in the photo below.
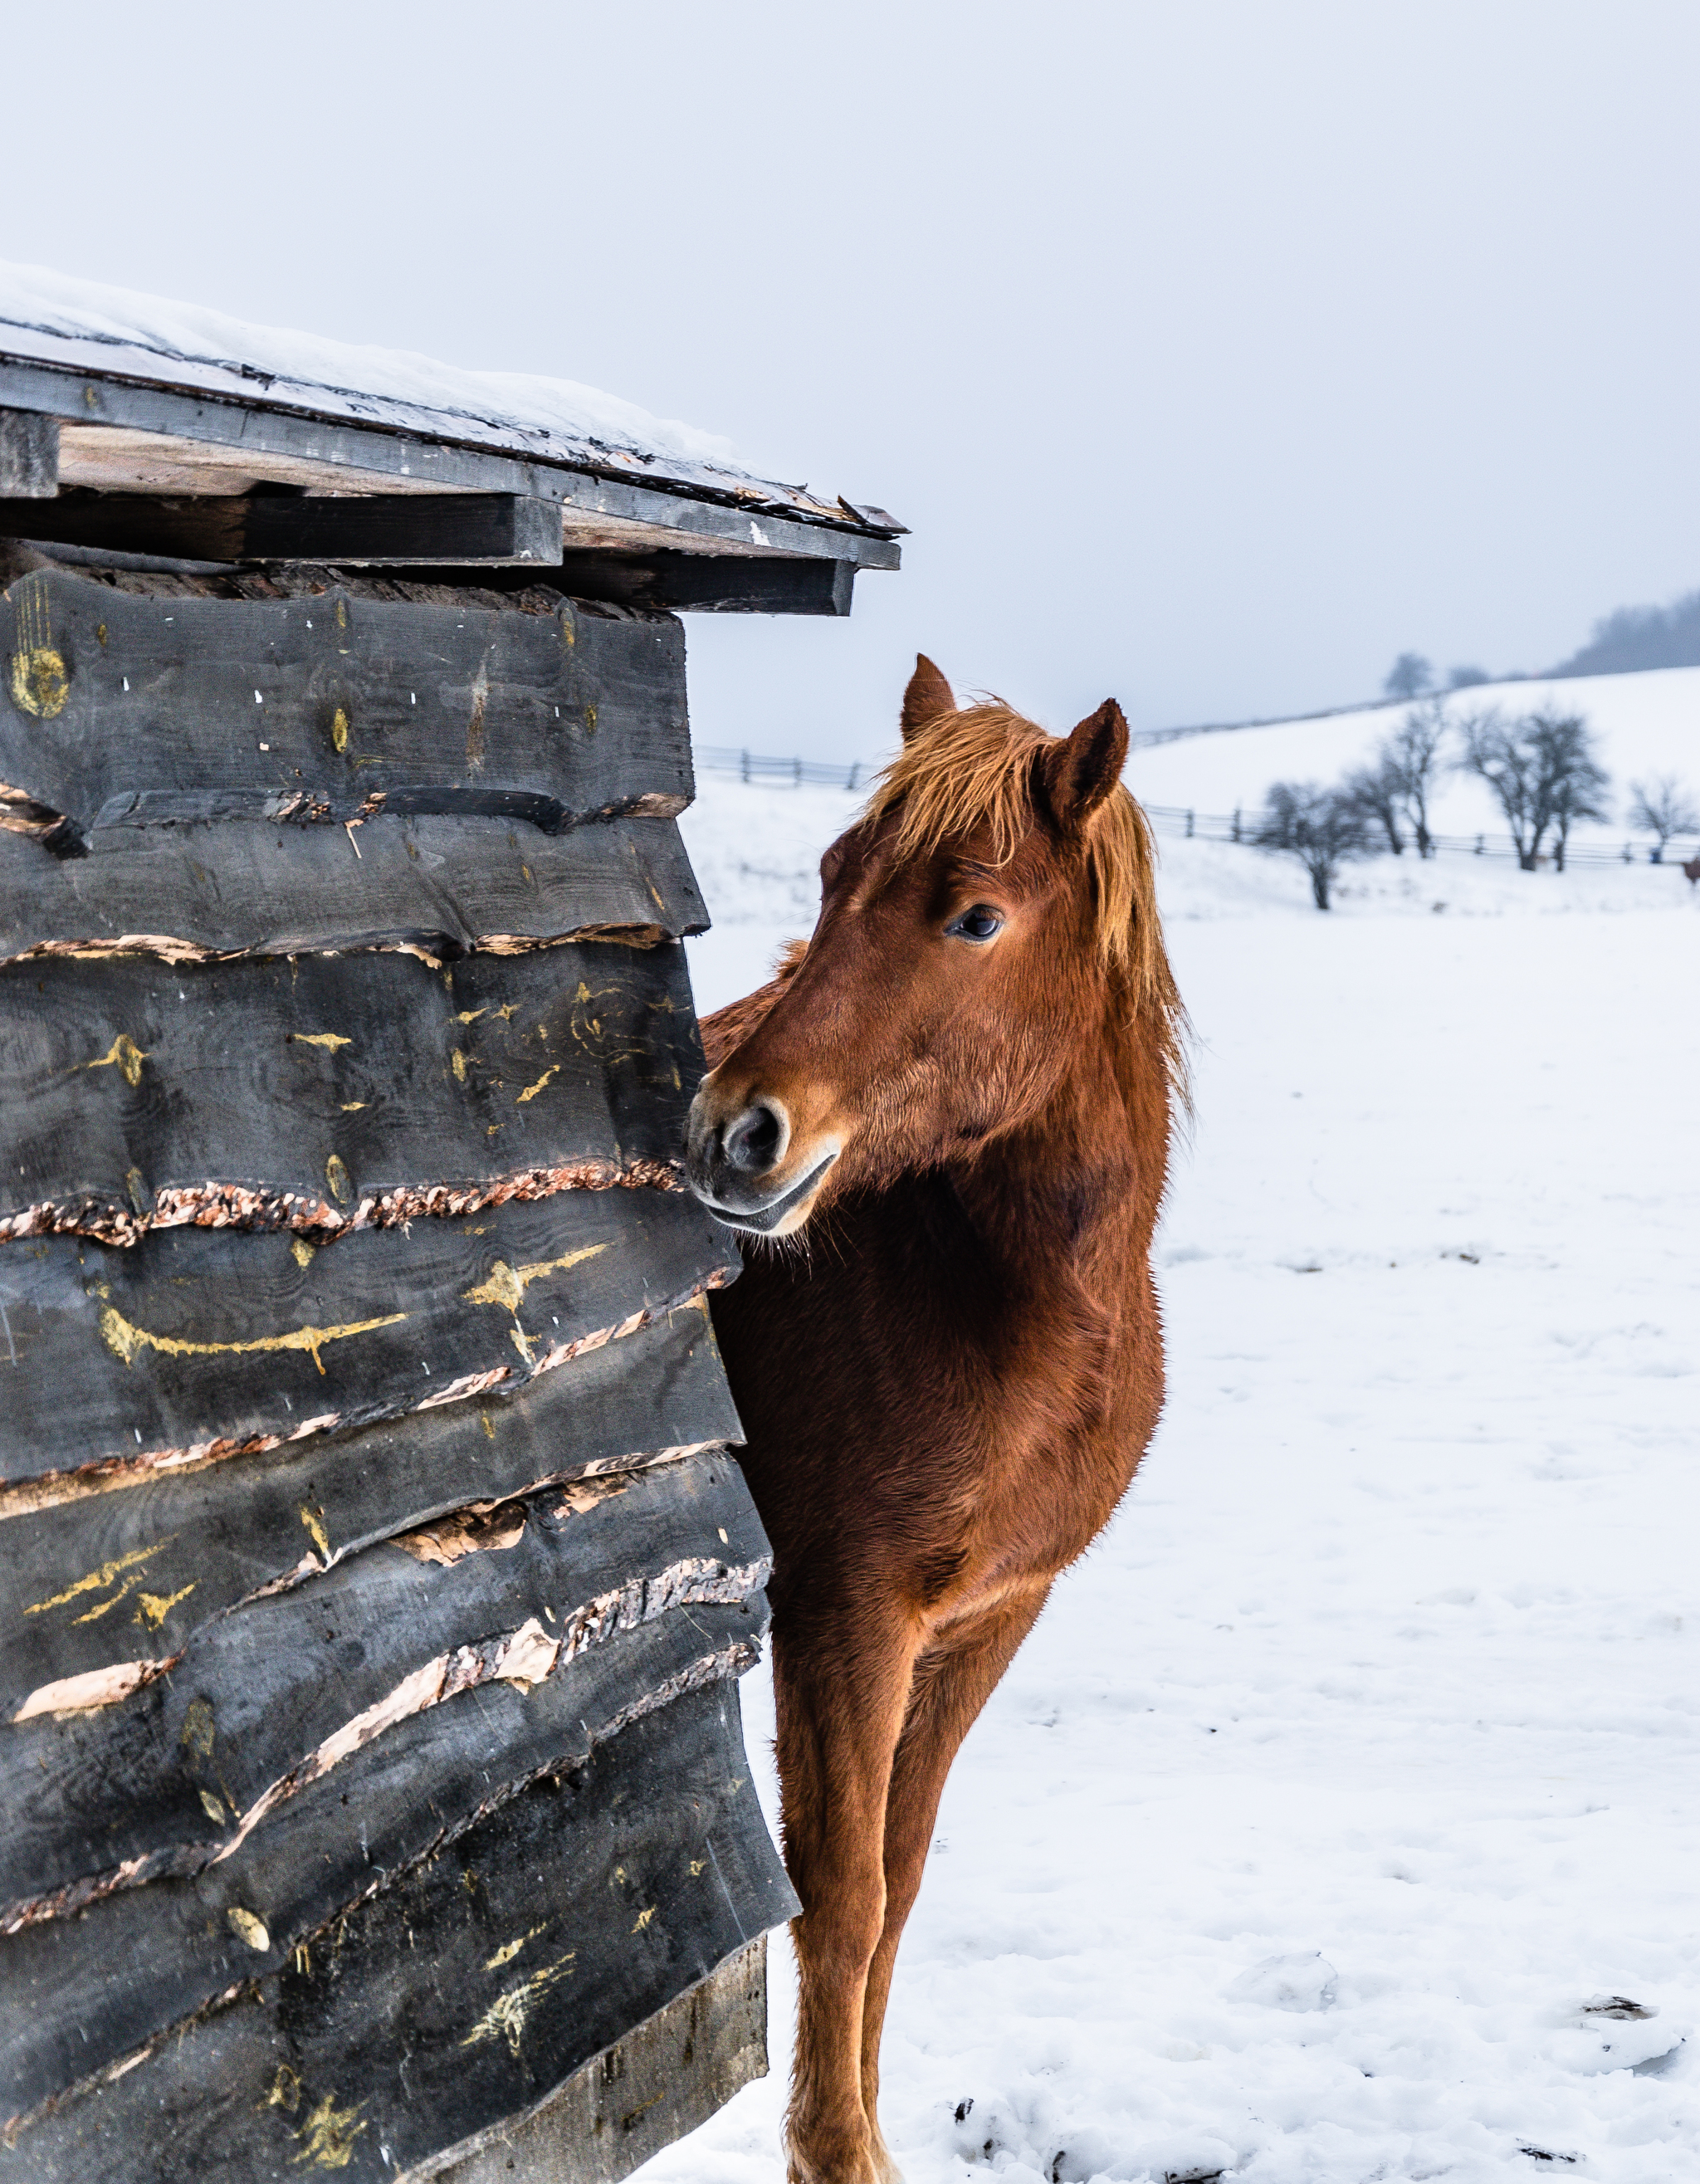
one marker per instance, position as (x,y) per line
(165,398)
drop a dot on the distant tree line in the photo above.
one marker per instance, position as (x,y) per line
(1542,769)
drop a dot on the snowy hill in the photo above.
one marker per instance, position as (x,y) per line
(1646,724)
(1342,1793)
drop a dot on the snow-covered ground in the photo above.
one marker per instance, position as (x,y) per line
(1356,1766)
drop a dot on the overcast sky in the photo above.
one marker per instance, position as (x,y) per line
(1214,352)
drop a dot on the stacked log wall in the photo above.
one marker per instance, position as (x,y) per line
(376,1579)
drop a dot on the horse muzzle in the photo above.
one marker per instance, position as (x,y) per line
(741,1166)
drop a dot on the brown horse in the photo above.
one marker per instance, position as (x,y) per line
(964,1085)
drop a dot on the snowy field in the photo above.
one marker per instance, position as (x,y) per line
(1354,1770)
(1646,724)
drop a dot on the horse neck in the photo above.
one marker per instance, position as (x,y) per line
(1079,1184)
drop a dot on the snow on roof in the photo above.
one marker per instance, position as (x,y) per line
(52,318)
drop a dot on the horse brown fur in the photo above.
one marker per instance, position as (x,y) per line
(947,1381)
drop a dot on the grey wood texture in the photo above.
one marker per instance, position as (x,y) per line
(259,1692)
(665,2078)
(335,706)
(134,1092)
(86,1582)
(29,455)
(440,887)
(467,1990)
(374,1578)
(203,1340)
(467,527)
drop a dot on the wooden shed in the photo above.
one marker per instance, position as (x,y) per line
(375,1577)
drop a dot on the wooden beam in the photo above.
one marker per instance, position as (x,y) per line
(480,529)
(701,583)
(29,455)
(439,887)
(338,701)
(201,1338)
(138,1095)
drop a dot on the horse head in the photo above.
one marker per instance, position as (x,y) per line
(990,912)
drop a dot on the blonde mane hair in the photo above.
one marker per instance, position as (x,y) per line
(974,768)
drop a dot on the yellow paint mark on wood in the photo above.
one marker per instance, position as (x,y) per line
(99,1579)
(696,1866)
(508,1285)
(471,1016)
(484,1421)
(509,1950)
(313,1520)
(197,1728)
(100,633)
(332,1040)
(353,1106)
(505,2017)
(643,1919)
(301,1251)
(125,1054)
(41,682)
(532,1091)
(327,2137)
(342,614)
(215,1811)
(457,1062)
(339,728)
(153,1608)
(337,1177)
(127,1340)
(286,2089)
(248,1928)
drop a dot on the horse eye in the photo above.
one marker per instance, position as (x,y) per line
(981,922)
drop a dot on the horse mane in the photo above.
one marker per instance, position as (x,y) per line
(975,767)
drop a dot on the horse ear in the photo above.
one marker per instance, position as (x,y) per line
(1080,772)
(928,696)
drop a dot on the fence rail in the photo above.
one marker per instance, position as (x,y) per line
(1179,819)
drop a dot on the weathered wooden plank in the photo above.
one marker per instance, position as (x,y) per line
(463,1993)
(437,886)
(339,703)
(159,1557)
(275,1694)
(195,1342)
(474,528)
(29,455)
(694,584)
(666,2077)
(134,1094)
(93,1988)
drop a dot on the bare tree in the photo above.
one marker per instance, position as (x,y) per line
(1378,793)
(1543,772)
(1663,807)
(1322,827)
(1409,675)
(1411,753)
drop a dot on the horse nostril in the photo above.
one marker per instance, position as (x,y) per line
(752,1143)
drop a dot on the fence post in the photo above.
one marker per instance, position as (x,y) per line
(1479,850)
(855,769)
(743,769)
(797,773)
(1189,825)
(1627,857)
(1236,823)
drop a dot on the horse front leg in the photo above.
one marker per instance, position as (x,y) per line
(841,1688)
(951,1682)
